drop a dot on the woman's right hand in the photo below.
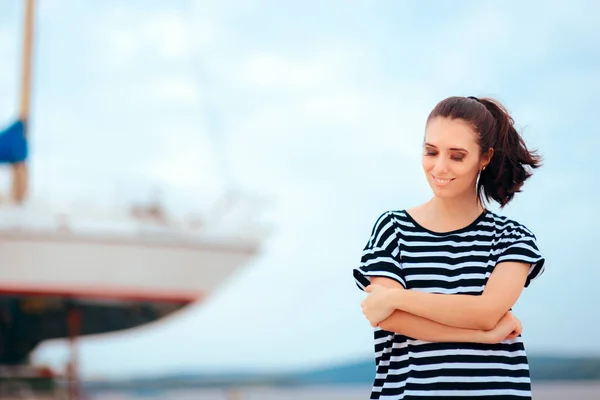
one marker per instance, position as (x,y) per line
(508,328)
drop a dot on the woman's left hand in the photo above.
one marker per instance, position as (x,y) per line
(377,306)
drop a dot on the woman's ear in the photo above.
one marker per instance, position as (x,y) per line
(487,157)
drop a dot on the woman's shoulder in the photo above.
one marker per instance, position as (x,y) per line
(509,226)
(402,218)
(394,215)
(395,218)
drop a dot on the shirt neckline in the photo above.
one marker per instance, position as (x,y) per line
(459,230)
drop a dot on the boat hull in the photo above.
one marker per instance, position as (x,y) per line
(59,284)
(121,267)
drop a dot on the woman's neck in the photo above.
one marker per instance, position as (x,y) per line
(456,208)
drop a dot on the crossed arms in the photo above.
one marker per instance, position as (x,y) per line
(449,317)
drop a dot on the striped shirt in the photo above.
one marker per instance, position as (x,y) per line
(456,262)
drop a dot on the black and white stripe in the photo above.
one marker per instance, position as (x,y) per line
(457,262)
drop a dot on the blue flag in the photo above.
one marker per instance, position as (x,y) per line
(13,144)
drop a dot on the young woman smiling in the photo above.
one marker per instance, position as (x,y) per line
(442,276)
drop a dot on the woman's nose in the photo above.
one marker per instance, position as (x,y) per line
(441,166)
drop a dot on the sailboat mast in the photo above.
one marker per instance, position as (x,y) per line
(26,60)
(19,170)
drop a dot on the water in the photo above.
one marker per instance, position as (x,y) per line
(545,391)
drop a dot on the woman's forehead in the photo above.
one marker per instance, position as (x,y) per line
(445,132)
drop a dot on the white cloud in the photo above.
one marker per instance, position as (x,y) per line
(174,91)
(9,75)
(124,37)
(6,43)
(169,32)
(270,70)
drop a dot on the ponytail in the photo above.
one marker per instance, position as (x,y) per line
(512,163)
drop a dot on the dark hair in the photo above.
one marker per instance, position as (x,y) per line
(511,164)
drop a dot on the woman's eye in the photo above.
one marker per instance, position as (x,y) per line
(459,158)
(430,153)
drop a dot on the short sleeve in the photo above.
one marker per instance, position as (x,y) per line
(524,249)
(380,256)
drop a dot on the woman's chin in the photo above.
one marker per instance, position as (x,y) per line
(443,193)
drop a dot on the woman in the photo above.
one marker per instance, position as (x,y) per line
(443,276)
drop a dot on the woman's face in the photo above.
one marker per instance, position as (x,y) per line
(451,157)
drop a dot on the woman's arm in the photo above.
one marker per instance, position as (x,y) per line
(466,311)
(423,329)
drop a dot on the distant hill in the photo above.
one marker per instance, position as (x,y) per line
(543,368)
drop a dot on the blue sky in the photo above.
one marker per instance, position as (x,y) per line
(321,106)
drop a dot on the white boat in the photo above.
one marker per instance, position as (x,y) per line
(113,274)
(126,258)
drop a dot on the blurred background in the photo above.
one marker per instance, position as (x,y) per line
(187,185)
